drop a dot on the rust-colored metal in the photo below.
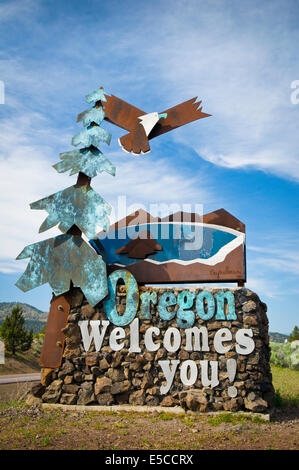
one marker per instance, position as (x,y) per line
(126,116)
(224,218)
(230,270)
(142,246)
(182,217)
(52,351)
(136,141)
(179,116)
(230,267)
(138,217)
(121,113)
(83,180)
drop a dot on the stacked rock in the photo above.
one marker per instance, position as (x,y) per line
(108,377)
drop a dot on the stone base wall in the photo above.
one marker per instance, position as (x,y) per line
(112,377)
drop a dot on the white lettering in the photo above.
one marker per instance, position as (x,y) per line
(172,346)
(169,373)
(189,372)
(95,333)
(206,382)
(134,336)
(245,344)
(221,336)
(116,334)
(148,338)
(295,94)
(197,333)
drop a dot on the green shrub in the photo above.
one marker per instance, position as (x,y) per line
(285,354)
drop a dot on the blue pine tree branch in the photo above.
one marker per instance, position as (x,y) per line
(76,205)
(59,261)
(92,135)
(97,95)
(87,160)
(95,114)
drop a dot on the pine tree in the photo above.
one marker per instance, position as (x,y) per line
(67,259)
(294,335)
(13,333)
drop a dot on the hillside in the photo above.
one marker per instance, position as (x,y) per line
(35,319)
(278,337)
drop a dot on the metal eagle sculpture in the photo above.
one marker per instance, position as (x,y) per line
(141,126)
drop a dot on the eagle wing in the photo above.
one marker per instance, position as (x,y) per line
(119,112)
(178,116)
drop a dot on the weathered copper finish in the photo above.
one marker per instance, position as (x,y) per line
(87,160)
(62,259)
(90,208)
(51,354)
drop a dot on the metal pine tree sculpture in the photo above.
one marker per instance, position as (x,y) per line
(76,209)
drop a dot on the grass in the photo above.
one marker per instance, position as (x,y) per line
(127,430)
(15,404)
(286,385)
(166,416)
(234,419)
(57,430)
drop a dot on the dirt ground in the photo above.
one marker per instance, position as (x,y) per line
(14,392)
(22,363)
(23,427)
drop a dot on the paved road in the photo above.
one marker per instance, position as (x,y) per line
(9,379)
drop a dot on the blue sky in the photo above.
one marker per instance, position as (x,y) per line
(239,58)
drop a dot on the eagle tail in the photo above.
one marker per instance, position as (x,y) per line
(126,142)
(135,142)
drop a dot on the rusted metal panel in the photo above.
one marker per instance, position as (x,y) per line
(191,248)
(52,350)
(224,218)
(135,142)
(232,269)
(142,246)
(183,217)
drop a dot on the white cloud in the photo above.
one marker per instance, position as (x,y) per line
(241,70)
(281,259)
(13,10)
(26,176)
(264,287)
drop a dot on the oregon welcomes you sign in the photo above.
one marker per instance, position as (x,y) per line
(207,307)
(114,339)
